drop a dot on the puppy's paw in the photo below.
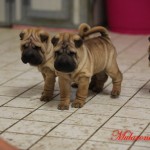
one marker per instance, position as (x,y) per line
(115,93)
(45,98)
(63,106)
(77,104)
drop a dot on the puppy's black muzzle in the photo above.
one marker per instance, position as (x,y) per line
(64,62)
(32,57)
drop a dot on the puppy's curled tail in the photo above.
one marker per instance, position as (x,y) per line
(85,30)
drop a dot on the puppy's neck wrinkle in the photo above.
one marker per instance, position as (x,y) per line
(83,64)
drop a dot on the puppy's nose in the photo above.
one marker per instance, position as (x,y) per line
(27,57)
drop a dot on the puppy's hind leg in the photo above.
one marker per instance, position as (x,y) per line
(98,81)
(117,77)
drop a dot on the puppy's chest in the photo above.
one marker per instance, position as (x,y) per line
(72,77)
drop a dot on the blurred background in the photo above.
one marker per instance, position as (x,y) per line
(126,16)
(51,13)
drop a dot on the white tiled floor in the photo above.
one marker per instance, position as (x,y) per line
(28,123)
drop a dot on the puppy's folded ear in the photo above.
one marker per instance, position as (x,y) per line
(78,43)
(44,37)
(54,41)
(21,35)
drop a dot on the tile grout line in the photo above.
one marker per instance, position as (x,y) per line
(54,127)
(138,135)
(56,95)
(87,102)
(111,116)
(19,94)
(24,116)
(75,112)
(130,45)
(15,77)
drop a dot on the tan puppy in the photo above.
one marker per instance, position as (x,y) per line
(37,50)
(77,60)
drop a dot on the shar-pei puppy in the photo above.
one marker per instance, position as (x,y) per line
(82,60)
(37,50)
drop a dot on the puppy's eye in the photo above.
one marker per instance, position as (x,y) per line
(72,53)
(35,47)
(44,37)
(25,46)
(78,43)
(54,41)
(21,35)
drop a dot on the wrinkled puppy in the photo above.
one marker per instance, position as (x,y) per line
(37,50)
(77,60)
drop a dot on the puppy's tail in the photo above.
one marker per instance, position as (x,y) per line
(85,30)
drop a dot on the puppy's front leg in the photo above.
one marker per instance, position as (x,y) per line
(82,92)
(65,88)
(49,83)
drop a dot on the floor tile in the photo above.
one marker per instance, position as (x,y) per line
(139,102)
(139,148)
(14,113)
(22,141)
(52,105)
(35,93)
(55,143)
(32,93)
(32,127)
(133,76)
(86,120)
(92,145)
(134,83)
(106,135)
(31,75)
(147,85)
(132,112)
(98,109)
(72,131)
(4,99)
(143,93)
(145,143)
(5,123)
(48,116)
(127,124)
(21,83)
(106,99)
(9,74)
(147,129)
(25,102)
(18,66)
(125,91)
(11,91)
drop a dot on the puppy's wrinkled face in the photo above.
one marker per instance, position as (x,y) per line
(66,47)
(34,43)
